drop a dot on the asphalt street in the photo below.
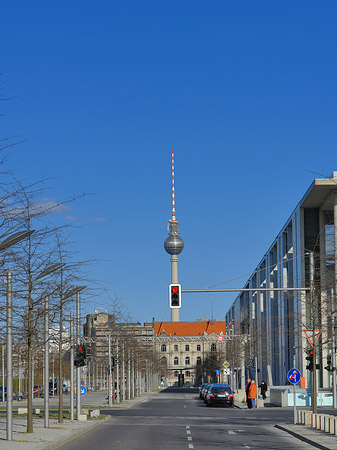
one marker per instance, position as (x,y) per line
(177,419)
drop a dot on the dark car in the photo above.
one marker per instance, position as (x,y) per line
(219,394)
(205,390)
(200,390)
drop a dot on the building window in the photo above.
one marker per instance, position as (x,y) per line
(176,361)
(187,360)
(187,348)
(188,374)
(213,348)
(176,373)
(176,348)
(163,361)
(163,348)
(198,348)
(198,360)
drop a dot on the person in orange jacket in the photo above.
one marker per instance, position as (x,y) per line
(252,393)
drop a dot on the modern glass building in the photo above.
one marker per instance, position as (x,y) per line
(278,323)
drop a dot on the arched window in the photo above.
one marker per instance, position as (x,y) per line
(176,361)
(187,360)
(176,373)
(198,360)
(163,348)
(188,374)
(198,348)
(163,361)
(213,348)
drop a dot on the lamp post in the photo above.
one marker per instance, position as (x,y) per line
(11,240)
(47,271)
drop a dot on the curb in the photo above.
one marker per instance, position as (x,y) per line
(302,438)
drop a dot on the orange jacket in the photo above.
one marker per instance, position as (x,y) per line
(252,391)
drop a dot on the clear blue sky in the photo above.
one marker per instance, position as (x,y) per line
(244,91)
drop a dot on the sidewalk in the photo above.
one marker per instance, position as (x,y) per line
(56,434)
(317,438)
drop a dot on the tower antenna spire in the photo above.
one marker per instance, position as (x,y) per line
(173,193)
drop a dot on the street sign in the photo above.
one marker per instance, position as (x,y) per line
(83,390)
(220,338)
(226,364)
(294,376)
(226,372)
(217,372)
(310,335)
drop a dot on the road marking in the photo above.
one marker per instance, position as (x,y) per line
(187,427)
(189,438)
(185,406)
(188,432)
(190,446)
(246,446)
(231,432)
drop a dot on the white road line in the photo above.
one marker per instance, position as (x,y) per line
(190,446)
(185,406)
(189,438)
(187,427)
(188,432)
(231,432)
(246,446)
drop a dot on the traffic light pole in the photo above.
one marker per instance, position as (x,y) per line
(71,366)
(78,369)
(46,362)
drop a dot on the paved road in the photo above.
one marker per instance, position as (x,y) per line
(177,419)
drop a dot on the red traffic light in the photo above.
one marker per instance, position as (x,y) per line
(174,289)
(80,348)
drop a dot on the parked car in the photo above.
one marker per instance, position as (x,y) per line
(205,390)
(200,390)
(220,394)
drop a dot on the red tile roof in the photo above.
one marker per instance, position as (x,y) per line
(189,328)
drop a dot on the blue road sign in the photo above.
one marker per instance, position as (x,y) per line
(83,390)
(294,376)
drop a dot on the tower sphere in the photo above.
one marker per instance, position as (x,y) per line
(174,245)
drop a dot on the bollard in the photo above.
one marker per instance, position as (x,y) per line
(332,425)
(308,418)
(326,423)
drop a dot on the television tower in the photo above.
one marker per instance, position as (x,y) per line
(174,245)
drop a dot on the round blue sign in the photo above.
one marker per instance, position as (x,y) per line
(294,376)
(83,390)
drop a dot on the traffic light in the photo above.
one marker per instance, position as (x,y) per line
(80,356)
(310,358)
(175,295)
(328,363)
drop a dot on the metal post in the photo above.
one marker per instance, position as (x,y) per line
(123,373)
(129,375)
(9,343)
(3,371)
(71,366)
(257,383)
(294,365)
(334,393)
(117,373)
(110,371)
(46,362)
(78,369)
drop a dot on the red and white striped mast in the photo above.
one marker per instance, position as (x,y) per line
(174,244)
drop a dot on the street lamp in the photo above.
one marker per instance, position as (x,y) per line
(11,240)
(76,291)
(47,271)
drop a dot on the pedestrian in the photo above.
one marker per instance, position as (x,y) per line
(252,394)
(249,403)
(264,388)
